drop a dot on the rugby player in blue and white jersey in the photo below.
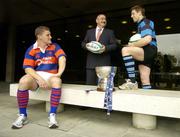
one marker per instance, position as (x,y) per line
(143,51)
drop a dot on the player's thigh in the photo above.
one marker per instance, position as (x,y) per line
(54,82)
(136,52)
(28,82)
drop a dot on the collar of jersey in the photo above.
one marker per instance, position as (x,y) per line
(35,46)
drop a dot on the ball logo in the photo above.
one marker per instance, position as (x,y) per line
(94,47)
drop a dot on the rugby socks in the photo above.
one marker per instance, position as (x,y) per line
(55,98)
(22,98)
(130,67)
(148,86)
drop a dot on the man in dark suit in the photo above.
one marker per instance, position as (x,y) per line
(107,39)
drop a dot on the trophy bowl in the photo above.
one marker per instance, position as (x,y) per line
(103,73)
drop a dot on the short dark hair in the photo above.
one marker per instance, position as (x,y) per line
(139,8)
(39,30)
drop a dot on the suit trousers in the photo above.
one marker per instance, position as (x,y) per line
(91,77)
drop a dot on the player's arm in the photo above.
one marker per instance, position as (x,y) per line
(142,42)
(33,73)
(62,65)
(61,56)
(29,65)
(146,35)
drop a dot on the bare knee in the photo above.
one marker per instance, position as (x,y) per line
(126,50)
(25,82)
(55,82)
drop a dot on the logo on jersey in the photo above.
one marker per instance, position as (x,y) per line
(45,60)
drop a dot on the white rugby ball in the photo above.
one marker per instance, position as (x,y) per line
(135,37)
(94,46)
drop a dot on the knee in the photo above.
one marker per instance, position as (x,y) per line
(55,81)
(125,50)
(25,80)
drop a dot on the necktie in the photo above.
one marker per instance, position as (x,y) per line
(98,34)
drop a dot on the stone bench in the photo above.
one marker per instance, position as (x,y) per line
(144,104)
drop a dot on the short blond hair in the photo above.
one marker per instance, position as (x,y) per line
(39,30)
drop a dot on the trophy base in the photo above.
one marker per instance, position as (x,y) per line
(102,90)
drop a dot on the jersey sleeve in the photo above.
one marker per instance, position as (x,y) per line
(59,51)
(147,28)
(29,61)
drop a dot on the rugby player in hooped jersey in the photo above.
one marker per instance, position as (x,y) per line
(44,63)
(143,51)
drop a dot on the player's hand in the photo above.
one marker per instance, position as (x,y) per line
(42,83)
(130,44)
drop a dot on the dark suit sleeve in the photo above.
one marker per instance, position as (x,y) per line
(85,41)
(112,42)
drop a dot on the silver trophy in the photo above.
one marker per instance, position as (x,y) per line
(103,73)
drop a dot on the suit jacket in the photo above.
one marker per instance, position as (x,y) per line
(108,39)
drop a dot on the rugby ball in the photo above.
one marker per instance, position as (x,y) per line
(94,46)
(135,38)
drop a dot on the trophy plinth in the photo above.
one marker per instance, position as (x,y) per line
(103,73)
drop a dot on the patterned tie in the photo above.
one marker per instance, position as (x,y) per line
(108,92)
(98,34)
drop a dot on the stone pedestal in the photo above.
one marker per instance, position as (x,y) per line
(144,121)
(59,109)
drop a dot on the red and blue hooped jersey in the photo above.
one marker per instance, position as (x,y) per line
(43,60)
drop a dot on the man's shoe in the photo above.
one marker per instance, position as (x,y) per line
(52,121)
(129,85)
(19,122)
